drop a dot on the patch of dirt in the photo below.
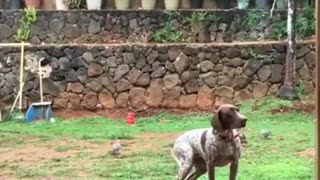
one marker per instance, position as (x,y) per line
(304,107)
(162,136)
(4,174)
(310,152)
(34,153)
(121,113)
(273,149)
(149,141)
(70,114)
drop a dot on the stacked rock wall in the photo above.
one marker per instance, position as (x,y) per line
(109,26)
(174,76)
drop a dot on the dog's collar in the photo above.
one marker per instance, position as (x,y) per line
(229,136)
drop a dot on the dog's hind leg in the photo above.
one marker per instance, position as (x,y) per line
(184,170)
(195,174)
(184,158)
(199,168)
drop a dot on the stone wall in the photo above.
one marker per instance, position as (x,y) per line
(111,26)
(176,76)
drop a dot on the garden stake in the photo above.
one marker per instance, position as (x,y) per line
(21,83)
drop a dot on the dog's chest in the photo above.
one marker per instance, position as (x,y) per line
(223,153)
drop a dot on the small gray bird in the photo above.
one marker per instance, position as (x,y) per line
(243,139)
(265,134)
(115,148)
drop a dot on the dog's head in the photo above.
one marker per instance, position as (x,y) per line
(228,117)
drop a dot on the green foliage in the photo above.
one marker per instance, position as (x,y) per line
(255,17)
(170,14)
(197,17)
(306,23)
(239,23)
(279,29)
(271,57)
(167,34)
(305,26)
(212,18)
(300,88)
(251,21)
(74,4)
(203,17)
(255,54)
(29,17)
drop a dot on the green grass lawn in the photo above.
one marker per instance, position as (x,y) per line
(78,148)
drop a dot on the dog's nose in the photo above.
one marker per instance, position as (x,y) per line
(244,119)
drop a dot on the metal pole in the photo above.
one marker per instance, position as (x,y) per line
(13,44)
(317,139)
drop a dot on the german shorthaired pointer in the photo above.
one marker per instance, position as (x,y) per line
(201,150)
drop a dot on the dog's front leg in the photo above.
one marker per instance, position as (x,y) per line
(234,169)
(211,171)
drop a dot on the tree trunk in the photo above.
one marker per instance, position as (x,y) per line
(313,3)
(288,90)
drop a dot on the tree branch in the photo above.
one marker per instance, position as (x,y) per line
(272,9)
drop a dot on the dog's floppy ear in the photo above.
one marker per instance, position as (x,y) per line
(216,120)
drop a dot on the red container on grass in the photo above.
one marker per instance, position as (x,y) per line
(130,118)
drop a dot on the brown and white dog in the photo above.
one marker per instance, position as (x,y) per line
(201,150)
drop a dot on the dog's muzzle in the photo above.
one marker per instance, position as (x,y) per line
(243,122)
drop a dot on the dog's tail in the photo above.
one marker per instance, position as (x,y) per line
(173,154)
